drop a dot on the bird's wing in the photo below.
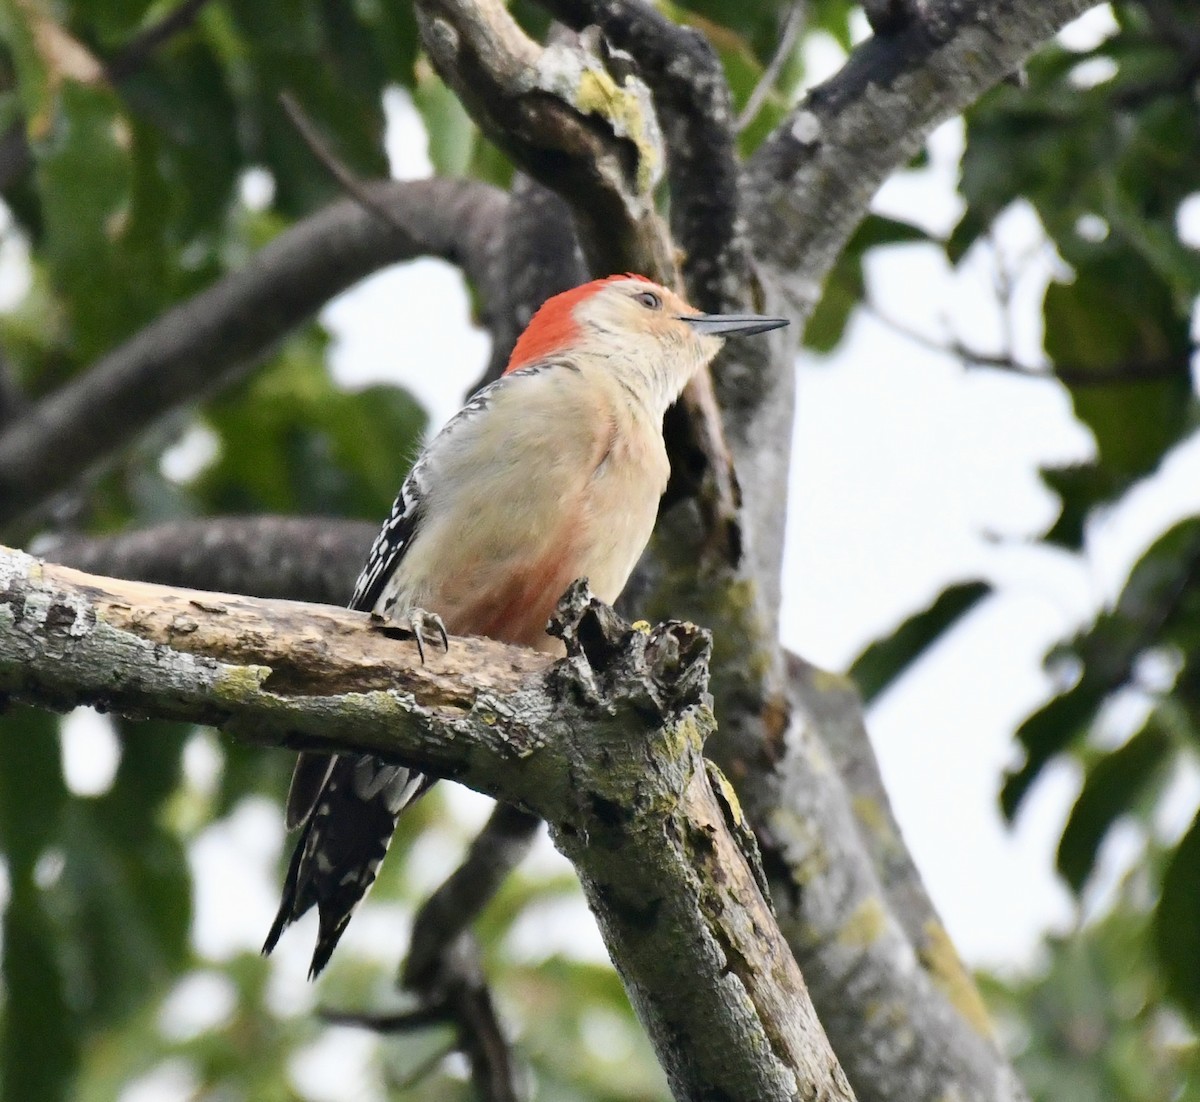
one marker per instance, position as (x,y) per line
(348,804)
(396,535)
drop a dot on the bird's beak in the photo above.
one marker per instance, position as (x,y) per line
(730,325)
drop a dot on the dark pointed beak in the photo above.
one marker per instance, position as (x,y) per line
(731,325)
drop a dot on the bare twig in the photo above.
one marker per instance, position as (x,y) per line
(320,149)
(793,28)
(422,1071)
(499,848)
(403,1021)
(1073,375)
(139,49)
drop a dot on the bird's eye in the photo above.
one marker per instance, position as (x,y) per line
(648,299)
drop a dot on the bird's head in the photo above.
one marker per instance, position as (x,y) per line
(633,328)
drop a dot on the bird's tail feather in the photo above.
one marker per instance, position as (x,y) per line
(342,843)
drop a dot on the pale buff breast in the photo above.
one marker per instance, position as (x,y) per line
(562,484)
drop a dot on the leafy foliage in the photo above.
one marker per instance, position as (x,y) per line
(1092,1021)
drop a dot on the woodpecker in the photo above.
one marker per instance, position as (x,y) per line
(552,473)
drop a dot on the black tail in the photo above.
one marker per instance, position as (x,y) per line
(341,845)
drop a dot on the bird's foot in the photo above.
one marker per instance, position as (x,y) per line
(426,627)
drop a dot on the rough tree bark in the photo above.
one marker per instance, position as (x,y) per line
(605,746)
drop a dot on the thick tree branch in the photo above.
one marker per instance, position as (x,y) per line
(604,745)
(832,704)
(293,558)
(694,106)
(562,118)
(212,339)
(316,559)
(811,182)
(859,921)
(864,869)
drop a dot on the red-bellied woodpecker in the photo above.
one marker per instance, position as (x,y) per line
(552,473)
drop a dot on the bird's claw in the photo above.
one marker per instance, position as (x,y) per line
(420,622)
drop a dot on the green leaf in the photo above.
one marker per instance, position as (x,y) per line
(85,177)
(1159,600)
(1177,922)
(291,441)
(32,791)
(1118,315)
(1049,731)
(885,660)
(1112,788)
(452,134)
(39,1043)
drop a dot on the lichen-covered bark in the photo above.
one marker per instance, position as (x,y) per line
(605,745)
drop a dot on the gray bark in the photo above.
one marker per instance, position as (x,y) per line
(604,745)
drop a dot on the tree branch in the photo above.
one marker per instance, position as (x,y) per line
(443,966)
(872,919)
(1129,373)
(854,863)
(563,119)
(212,339)
(906,1023)
(811,182)
(694,106)
(499,848)
(604,745)
(291,558)
(789,37)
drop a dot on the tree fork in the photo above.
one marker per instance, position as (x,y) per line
(605,745)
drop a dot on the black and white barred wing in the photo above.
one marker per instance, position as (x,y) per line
(347,804)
